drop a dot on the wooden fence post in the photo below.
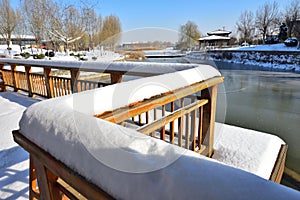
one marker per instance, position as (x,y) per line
(74,77)
(29,80)
(116,77)
(2,83)
(49,82)
(209,117)
(14,78)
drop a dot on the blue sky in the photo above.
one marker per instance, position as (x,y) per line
(209,15)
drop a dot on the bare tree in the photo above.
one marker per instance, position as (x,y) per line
(83,42)
(36,17)
(188,35)
(292,13)
(21,29)
(96,37)
(90,20)
(111,30)
(65,24)
(246,26)
(296,31)
(266,16)
(8,20)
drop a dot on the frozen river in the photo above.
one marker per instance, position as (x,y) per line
(267,101)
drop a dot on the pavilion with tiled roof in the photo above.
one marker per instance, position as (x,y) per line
(217,38)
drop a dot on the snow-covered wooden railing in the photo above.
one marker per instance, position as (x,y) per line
(187,121)
(71,148)
(19,75)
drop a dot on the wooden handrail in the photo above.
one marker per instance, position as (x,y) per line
(128,68)
(202,137)
(124,113)
(49,87)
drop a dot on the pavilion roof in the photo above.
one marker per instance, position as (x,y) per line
(214,37)
(219,32)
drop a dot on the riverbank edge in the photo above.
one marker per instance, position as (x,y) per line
(279,60)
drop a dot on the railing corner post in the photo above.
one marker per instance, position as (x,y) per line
(209,116)
(116,77)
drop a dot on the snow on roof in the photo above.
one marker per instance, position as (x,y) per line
(214,37)
(127,164)
(218,32)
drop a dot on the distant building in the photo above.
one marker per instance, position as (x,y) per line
(23,40)
(215,39)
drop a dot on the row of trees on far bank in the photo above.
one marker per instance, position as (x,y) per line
(267,20)
(74,26)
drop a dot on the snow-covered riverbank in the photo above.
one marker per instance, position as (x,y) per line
(276,56)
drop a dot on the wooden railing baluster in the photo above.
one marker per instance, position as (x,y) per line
(14,81)
(187,131)
(172,130)
(29,80)
(180,124)
(163,129)
(193,129)
(200,127)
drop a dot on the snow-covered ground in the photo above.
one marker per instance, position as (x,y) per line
(13,159)
(95,55)
(266,47)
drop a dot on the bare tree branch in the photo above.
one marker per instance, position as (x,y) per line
(8,20)
(266,16)
(246,26)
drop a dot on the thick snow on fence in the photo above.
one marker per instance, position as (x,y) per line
(127,164)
